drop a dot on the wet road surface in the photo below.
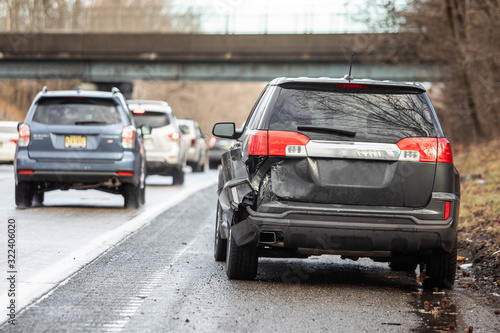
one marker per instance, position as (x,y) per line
(163,279)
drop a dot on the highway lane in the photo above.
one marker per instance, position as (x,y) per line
(74,227)
(163,279)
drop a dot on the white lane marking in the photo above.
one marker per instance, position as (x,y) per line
(42,285)
(130,309)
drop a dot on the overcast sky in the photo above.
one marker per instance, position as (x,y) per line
(275,16)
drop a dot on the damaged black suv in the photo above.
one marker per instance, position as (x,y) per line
(355,168)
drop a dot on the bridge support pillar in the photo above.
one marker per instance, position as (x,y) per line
(126,88)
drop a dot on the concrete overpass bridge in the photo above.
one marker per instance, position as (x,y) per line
(111,58)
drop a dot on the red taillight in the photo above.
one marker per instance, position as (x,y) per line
(24,135)
(447,206)
(444,154)
(25,172)
(425,147)
(428,149)
(277,143)
(138,111)
(174,136)
(124,173)
(193,142)
(211,142)
(352,86)
(257,145)
(286,143)
(128,137)
(14,141)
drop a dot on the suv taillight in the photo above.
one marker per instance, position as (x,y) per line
(211,142)
(426,149)
(174,136)
(277,143)
(128,137)
(444,151)
(24,136)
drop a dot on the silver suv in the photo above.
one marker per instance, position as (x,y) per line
(197,147)
(165,149)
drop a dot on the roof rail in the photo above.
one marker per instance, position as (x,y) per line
(115,90)
(45,89)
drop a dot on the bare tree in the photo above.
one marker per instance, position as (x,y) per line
(96,16)
(462,38)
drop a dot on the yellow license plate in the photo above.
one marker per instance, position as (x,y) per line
(75,142)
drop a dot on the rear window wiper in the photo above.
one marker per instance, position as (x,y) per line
(326,130)
(90,123)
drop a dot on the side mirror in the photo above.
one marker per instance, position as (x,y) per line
(224,130)
(146,129)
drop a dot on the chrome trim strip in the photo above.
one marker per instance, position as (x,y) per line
(353,150)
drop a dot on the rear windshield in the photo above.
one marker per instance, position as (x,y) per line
(154,119)
(76,111)
(381,117)
(185,129)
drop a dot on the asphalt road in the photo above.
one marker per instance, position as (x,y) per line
(162,278)
(74,227)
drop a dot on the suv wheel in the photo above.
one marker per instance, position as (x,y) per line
(441,269)
(199,167)
(143,195)
(213,165)
(220,244)
(241,261)
(402,266)
(38,199)
(24,194)
(132,195)
(178,176)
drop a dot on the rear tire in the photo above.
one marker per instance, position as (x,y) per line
(241,261)
(441,269)
(220,244)
(143,195)
(132,195)
(38,199)
(200,166)
(178,176)
(24,195)
(213,165)
(400,266)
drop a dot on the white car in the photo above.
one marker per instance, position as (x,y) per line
(165,148)
(8,140)
(197,147)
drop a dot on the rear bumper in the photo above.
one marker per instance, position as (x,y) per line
(340,229)
(193,155)
(77,172)
(157,160)
(7,152)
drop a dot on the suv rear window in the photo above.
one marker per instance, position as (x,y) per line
(374,117)
(76,111)
(154,119)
